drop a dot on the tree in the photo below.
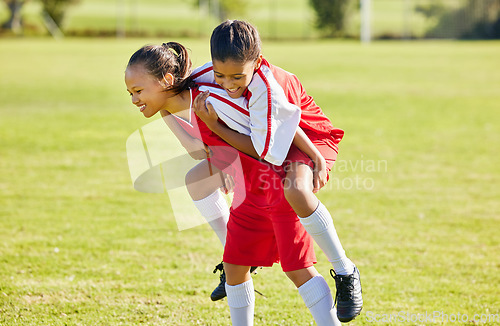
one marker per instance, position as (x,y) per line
(224,9)
(477,19)
(331,15)
(14,23)
(57,9)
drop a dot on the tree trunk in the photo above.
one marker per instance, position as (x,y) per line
(14,23)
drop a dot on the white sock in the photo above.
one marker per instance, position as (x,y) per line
(320,226)
(241,302)
(318,299)
(215,210)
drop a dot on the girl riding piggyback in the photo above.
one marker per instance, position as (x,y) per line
(285,128)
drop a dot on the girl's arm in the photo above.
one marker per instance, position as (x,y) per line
(195,147)
(243,143)
(205,111)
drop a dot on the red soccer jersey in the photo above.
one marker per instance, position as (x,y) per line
(255,176)
(272,96)
(312,119)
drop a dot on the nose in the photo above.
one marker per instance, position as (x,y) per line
(135,99)
(227,83)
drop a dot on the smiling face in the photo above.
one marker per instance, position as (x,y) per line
(147,92)
(234,76)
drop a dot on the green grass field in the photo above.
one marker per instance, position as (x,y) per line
(415,193)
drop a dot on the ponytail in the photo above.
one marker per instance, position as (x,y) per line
(159,60)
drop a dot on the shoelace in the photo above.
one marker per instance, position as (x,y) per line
(220,267)
(344,285)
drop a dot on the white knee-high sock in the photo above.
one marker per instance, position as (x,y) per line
(215,210)
(318,299)
(320,226)
(241,302)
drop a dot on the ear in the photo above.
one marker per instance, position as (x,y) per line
(258,62)
(168,80)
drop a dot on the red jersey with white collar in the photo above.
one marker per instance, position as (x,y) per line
(274,95)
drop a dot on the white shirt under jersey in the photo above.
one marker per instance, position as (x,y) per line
(271,122)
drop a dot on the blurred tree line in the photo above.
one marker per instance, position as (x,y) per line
(474,19)
(331,15)
(224,9)
(55,9)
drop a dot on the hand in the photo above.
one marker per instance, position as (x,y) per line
(320,175)
(228,183)
(205,111)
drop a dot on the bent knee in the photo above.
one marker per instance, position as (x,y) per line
(200,182)
(192,177)
(301,276)
(296,191)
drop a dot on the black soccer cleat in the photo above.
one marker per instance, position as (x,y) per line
(220,291)
(348,299)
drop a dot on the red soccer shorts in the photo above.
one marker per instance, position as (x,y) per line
(259,234)
(326,146)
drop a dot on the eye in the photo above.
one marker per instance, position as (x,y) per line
(139,91)
(237,78)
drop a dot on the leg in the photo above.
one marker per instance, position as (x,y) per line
(203,182)
(240,294)
(298,189)
(301,276)
(315,217)
(237,274)
(296,248)
(316,295)
(319,224)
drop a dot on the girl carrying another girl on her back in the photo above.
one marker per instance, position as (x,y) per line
(262,229)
